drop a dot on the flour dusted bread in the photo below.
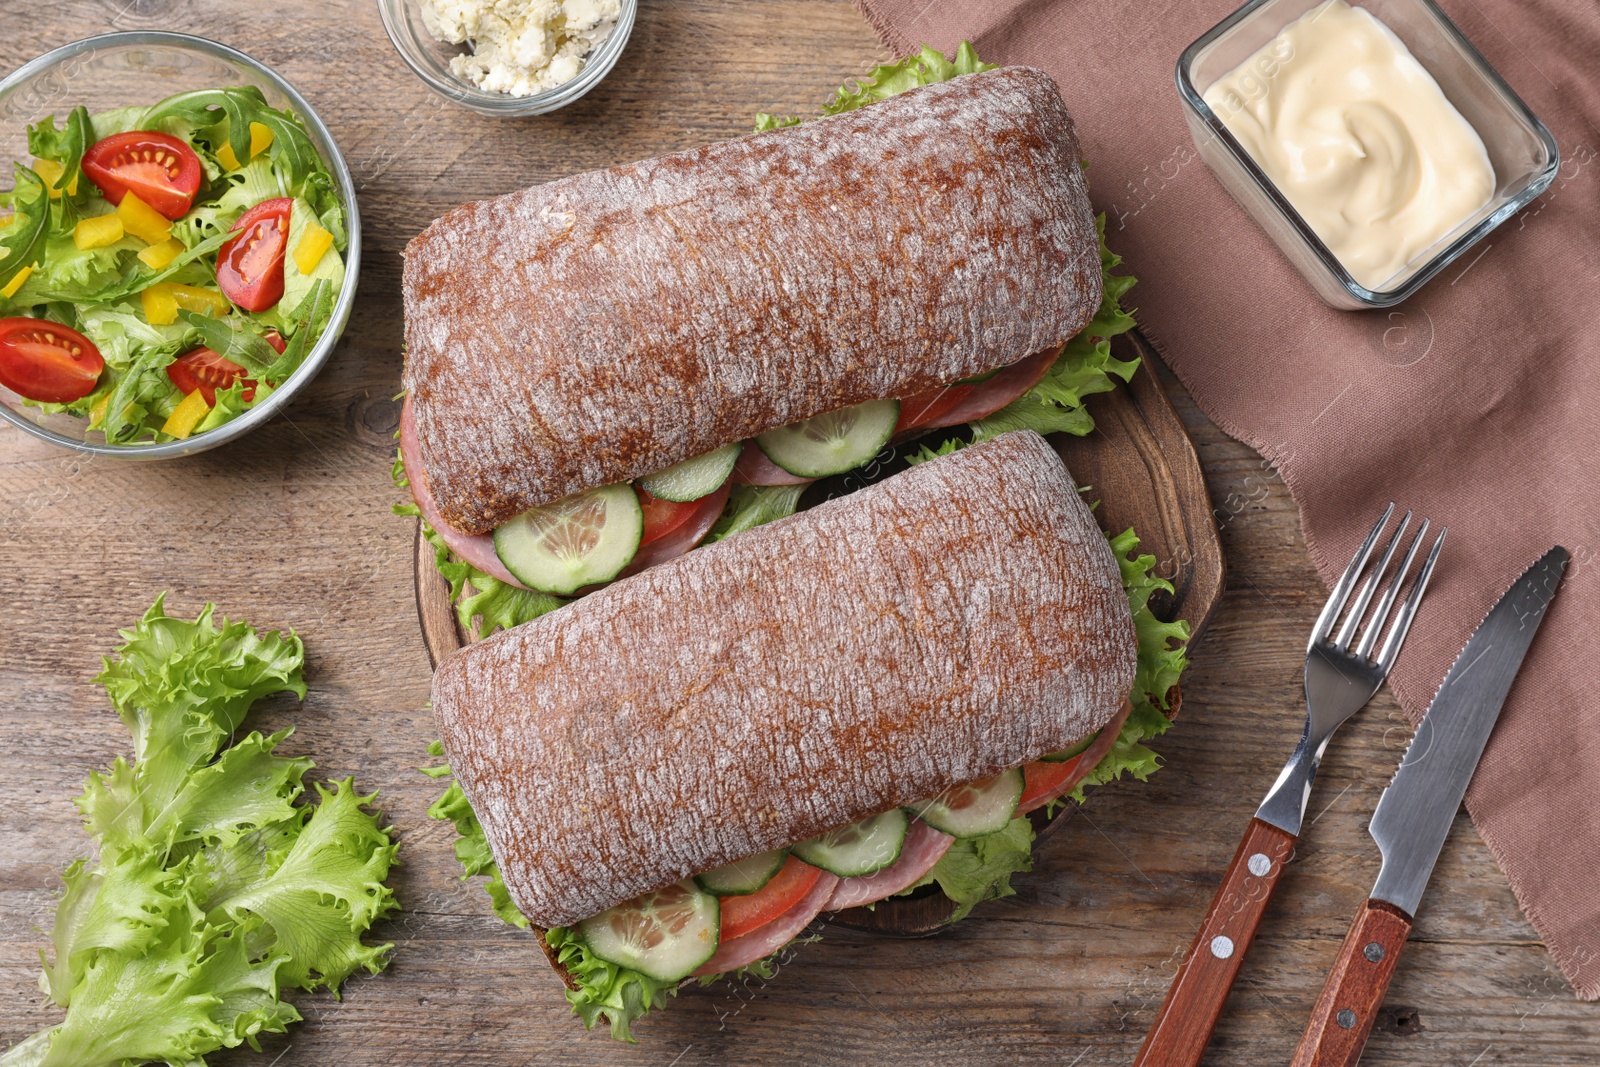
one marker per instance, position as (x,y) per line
(957,619)
(607,325)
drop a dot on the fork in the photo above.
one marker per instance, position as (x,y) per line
(1343,670)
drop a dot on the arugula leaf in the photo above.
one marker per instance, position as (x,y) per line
(22,239)
(305,323)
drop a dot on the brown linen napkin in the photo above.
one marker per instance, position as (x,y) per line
(1474,403)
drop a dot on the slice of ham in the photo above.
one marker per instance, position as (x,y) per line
(476,549)
(687,534)
(754,468)
(924,847)
(765,940)
(990,396)
(1086,761)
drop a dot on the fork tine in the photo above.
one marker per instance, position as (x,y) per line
(1353,620)
(1386,602)
(1341,592)
(1408,611)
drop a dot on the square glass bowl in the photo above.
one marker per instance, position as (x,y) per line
(1521,149)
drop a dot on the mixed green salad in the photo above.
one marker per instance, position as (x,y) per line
(164,268)
(619,988)
(216,885)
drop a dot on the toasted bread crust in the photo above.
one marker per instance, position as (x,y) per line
(954,620)
(607,325)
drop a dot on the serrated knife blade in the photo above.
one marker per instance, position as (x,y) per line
(1414,814)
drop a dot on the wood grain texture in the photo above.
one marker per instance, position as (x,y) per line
(1356,987)
(290,527)
(1189,1014)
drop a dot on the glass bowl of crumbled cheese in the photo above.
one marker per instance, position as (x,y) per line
(509,58)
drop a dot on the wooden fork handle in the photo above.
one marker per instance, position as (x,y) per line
(1355,989)
(1194,1003)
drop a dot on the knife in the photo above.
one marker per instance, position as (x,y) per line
(1414,814)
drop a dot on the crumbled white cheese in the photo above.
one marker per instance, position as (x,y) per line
(521,47)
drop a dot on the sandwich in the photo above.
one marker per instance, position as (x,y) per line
(672,778)
(610,369)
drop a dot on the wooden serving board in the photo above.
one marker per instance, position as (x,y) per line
(1140,466)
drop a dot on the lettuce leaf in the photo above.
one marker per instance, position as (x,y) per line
(980,868)
(472,847)
(891,79)
(750,506)
(1162,658)
(214,886)
(488,604)
(605,990)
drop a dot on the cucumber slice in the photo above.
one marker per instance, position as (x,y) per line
(979,378)
(667,934)
(693,478)
(1071,751)
(973,809)
(576,541)
(860,848)
(832,443)
(742,877)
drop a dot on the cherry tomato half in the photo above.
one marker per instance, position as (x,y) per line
(206,371)
(740,915)
(158,169)
(47,362)
(661,517)
(250,265)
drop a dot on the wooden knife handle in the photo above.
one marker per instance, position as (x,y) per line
(1194,1003)
(1350,1001)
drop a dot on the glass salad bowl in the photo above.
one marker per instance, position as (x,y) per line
(117,70)
(430,60)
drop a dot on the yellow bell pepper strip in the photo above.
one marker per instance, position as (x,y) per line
(97,232)
(260,138)
(160,306)
(97,414)
(200,301)
(15,283)
(158,256)
(186,416)
(314,244)
(51,172)
(142,220)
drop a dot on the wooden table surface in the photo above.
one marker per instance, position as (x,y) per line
(290,527)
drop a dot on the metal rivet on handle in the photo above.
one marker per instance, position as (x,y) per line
(1346,1018)
(1221,947)
(1373,951)
(1260,865)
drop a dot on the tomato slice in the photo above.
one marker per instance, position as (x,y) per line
(930,406)
(47,362)
(1043,781)
(206,371)
(275,339)
(158,169)
(250,266)
(740,915)
(661,517)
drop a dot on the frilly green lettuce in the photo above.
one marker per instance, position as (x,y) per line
(215,885)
